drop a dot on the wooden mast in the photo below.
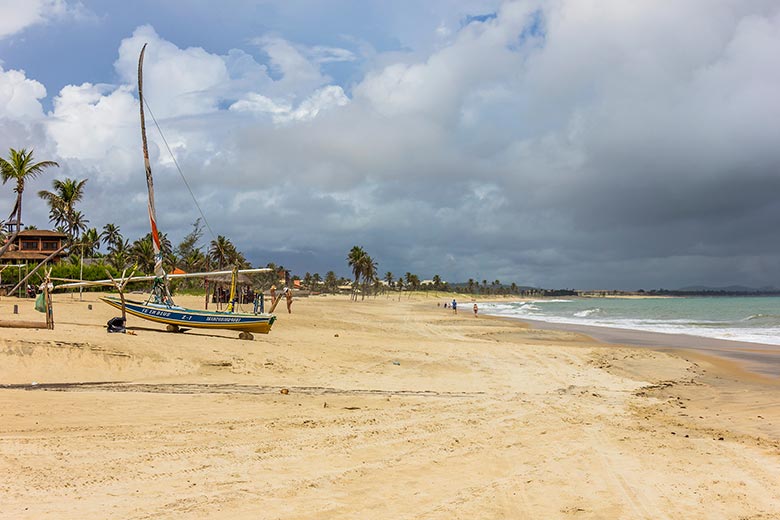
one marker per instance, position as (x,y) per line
(158,267)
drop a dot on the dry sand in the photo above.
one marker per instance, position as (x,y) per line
(396,409)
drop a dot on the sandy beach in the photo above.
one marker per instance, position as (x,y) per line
(394,409)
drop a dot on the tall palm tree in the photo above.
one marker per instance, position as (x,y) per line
(356,260)
(111,235)
(90,242)
(77,224)
(21,168)
(368,269)
(142,253)
(119,254)
(62,204)
(331,282)
(389,279)
(220,251)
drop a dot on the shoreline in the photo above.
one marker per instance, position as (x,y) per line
(757,358)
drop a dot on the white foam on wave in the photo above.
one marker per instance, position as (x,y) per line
(715,330)
(588,312)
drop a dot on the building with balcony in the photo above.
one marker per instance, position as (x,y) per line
(32,246)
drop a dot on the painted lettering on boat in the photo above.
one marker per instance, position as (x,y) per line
(223,320)
(155,312)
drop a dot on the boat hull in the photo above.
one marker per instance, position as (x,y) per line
(192,318)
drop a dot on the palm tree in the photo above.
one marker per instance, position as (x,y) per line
(331,282)
(119,254)
(389,279)
(111,235)
(195,261)
(142,253)
(356,260)
(90,242)
(221,250)
(77,224)
(62,204)
(21,168)
(368,268)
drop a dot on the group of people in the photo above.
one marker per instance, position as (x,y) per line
(454,307)
(222,294)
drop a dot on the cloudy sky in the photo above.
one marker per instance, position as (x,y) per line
(562,143)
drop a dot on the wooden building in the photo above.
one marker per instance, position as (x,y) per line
(32,246)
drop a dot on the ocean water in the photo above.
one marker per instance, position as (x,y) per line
(751,319)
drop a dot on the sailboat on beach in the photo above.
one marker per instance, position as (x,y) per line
(160,306)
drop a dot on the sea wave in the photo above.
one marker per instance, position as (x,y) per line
(763,317)
(755,320)
(588,312)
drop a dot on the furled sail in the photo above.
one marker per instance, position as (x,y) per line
(158,267)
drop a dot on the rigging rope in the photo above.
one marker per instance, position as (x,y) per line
(183,178)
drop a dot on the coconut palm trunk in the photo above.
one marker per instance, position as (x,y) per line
(20,167)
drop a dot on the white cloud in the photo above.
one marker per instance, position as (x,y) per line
(299,74)
(260,104)
(17,15)
(90,121)
(479,55)
(19,96)
(283,112)
(322,54)
(177,82)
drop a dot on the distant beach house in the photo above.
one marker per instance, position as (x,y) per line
(33,246)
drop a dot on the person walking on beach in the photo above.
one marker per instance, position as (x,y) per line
(454,306)
(476,310)
(288,294)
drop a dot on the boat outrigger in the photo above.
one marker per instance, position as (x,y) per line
(160,306)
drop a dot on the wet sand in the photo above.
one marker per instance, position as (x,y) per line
(754,357)
(393,409)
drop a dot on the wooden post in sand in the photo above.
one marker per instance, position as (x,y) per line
(121,288)
(23,324)
(275,303)
(47,299)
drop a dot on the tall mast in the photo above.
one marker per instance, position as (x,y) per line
(158,267)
